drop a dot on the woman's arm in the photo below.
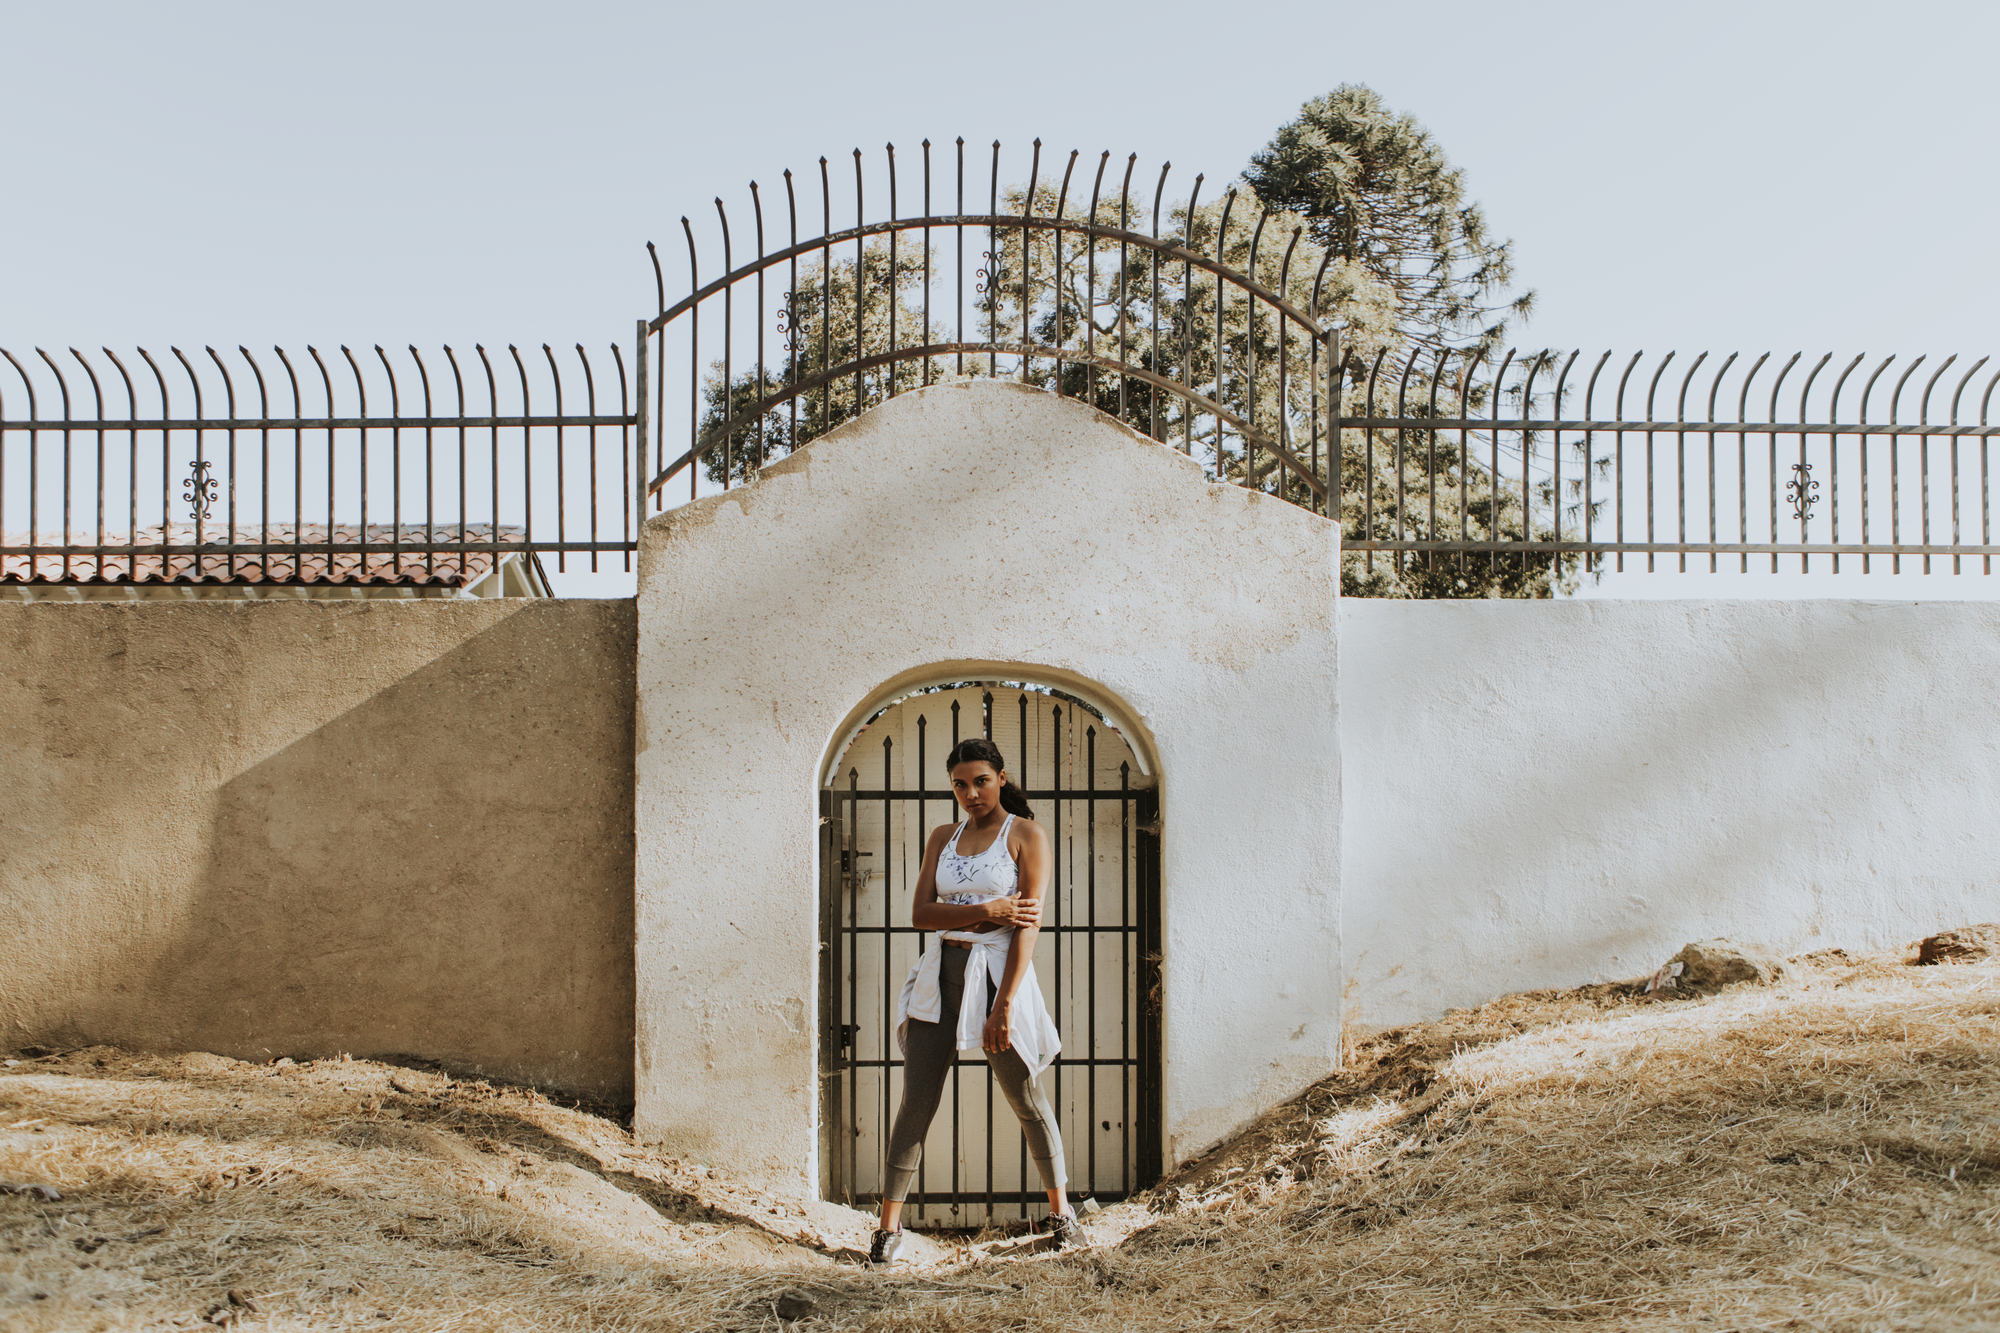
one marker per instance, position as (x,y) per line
(927,913)
(1034,865)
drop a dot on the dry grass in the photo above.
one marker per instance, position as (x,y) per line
(1824,1154)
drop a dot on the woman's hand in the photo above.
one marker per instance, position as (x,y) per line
(997,1035)
(1020,913)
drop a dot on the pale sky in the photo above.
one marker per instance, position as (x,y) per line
(1753,176)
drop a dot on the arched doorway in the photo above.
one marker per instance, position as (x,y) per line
(774,621)
(1098,959)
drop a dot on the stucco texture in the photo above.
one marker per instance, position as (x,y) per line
(980,530)
(298,828)
(1543,794)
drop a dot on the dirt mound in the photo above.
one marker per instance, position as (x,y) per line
(330,1190)
(1820,1153)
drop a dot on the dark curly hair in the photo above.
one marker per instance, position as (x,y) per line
(981,750)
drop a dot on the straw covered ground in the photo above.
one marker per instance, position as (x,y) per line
(1822,1154)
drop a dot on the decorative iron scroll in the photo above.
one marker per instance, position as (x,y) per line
(202,489)
(1801,491)
(788,322)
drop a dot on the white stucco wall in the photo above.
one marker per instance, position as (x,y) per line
(1542,794)
(979,530)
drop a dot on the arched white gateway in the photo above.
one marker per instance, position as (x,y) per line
(1008,534)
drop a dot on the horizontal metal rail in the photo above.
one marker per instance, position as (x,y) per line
(1518,424)
(1671,548)
(1263,439)
(314,547)
(990,221)
(120,424)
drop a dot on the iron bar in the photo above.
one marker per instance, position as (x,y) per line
(1187,316)
(993,225)
(1680,454)
(1802,483)
(1651,508)
(1026,367)
(728,334)
(430,469)
(1056,267)
(926,377)
(1772,416)
(1924,453)
(860,280)
(1714,386)
(1895,473)
(1833,457)
(590,399)
(1493,475)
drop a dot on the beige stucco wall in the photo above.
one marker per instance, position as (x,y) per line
(979,530)
(297,828)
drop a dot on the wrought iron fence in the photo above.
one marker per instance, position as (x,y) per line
(117,471)
(1218,328)
(1463,459)
(1200,325)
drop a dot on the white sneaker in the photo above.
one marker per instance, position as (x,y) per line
(887,1250)
(1064,1233)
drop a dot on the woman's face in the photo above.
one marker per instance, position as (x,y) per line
(976,784)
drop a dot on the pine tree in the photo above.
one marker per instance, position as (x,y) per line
(1378,192)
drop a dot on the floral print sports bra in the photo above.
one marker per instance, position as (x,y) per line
(965,880)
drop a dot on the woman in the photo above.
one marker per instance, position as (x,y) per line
(974,988)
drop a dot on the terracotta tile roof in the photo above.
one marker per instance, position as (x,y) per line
(454,569)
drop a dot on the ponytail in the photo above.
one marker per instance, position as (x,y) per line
(1014,801)
(980,750)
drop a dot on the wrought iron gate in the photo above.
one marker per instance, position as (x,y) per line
(1097,960)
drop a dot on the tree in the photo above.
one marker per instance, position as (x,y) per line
(839,313)
(1351,213)
(1378,192)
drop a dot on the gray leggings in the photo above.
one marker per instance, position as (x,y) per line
(933,1051)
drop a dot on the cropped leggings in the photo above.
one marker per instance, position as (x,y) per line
(933,1051)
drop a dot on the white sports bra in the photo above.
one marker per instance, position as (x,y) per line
(964,880)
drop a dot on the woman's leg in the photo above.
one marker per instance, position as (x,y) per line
(933,1051)
(1038,1122)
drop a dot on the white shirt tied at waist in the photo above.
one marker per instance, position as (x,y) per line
(1032,1032)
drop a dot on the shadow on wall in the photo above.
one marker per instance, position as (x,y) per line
(443,871)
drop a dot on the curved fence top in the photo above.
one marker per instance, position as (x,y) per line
(1543,465)
(1200,324)
(247,466)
